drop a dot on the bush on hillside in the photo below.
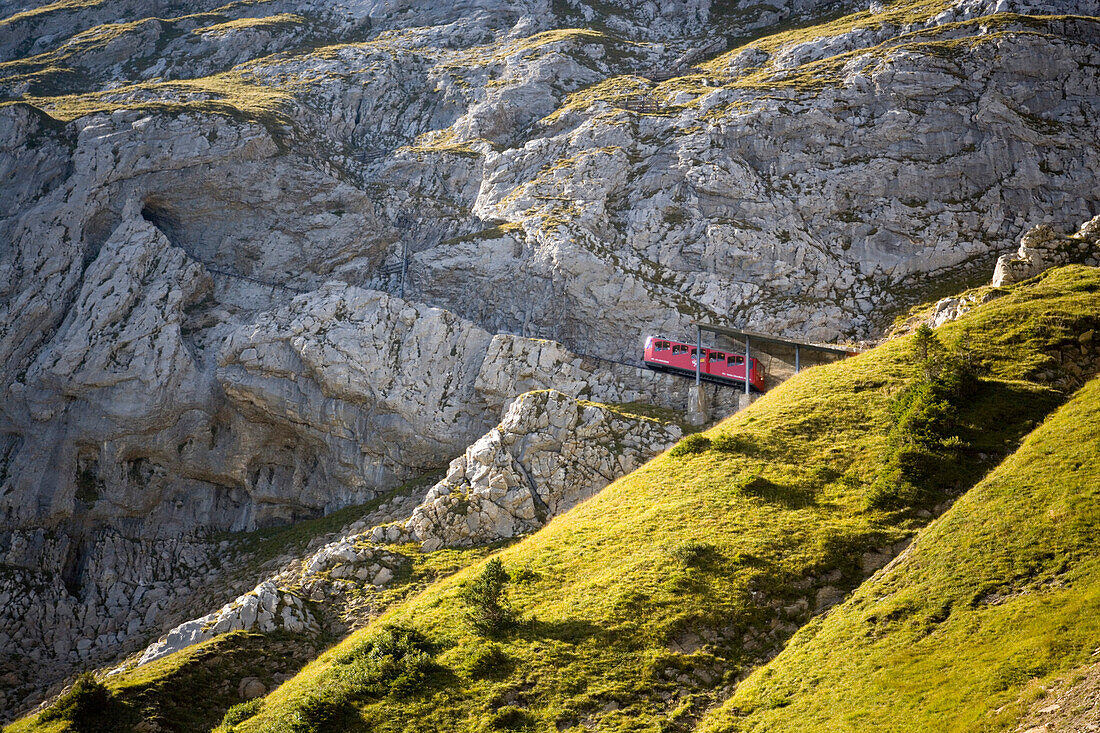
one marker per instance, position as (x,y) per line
(695,553)
(694,443)
(88,706)
(486,600)
(241,712)
(924,450)
(734,443)
(488,661)
(512,718)
(397,661)
(326,711)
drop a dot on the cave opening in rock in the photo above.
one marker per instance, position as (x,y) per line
(159,212)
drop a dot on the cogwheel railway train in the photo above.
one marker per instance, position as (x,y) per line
(665,355)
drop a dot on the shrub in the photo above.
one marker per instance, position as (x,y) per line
(510,717)
(329,711)
(397,661)
(88,706)
(486,600)
(695,443)
(924,453)
(487,661)
(922,416)
(927,350)
(242,712)
(734,443)
(524,575)
(892,491)
(695,553)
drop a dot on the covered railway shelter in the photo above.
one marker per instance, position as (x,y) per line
(781,357)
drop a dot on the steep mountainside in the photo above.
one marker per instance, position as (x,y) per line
(991,603)
(264,260)
(649,603)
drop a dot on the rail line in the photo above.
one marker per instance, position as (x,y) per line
(255,281)
(298,291)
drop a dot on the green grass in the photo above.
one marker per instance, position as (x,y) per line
(269,23)
(1001,591)
(193,689)
(642,606)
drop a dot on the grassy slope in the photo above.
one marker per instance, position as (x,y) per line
(698,553)
(191,690)
(1002,589)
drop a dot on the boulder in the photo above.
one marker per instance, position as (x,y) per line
(250,688)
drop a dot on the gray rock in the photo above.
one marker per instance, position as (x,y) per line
(1042,248)
(548,453)
(251,687)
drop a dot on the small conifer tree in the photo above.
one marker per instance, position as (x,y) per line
(486,599)
(929,352)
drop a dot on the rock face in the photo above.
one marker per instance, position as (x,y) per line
(548,453)
(386,386)
(74,599)
(228,232)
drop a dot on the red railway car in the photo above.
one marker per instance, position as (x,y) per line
(665,355)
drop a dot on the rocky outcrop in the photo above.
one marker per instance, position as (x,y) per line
(550,452)
(1040,249)
(1043,247)
(266,608)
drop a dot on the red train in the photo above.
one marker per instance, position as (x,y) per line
(664,355)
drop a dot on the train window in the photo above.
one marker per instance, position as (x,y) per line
(678,349)
(693,351)
(735,359)
(717,356)
(662,346)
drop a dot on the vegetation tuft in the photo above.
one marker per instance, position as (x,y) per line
(692,444)
(925,455)
(489,661)
(241,712)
